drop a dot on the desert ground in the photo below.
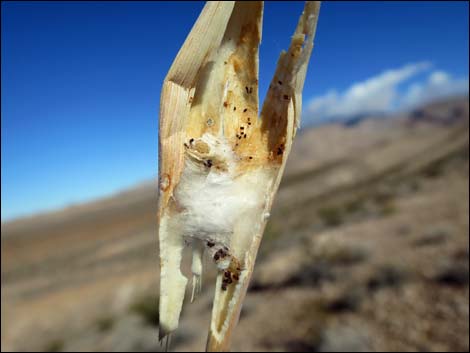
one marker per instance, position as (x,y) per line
(366,249)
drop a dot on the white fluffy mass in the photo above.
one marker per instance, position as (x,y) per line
(213,201)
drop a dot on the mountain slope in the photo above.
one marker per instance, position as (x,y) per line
(367,240)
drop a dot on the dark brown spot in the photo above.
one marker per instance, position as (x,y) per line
(250,157)
(286,97)
(239,269)
(210,244)
(234,108)
(279,151)
(225,63)
(216,257)
(242,128)
(244,136)
(191,141)
(249,123)
(245,110)
(209,163)
(227,274)
(239,137)
(224,286)
(280,82)
(225,104)
(229,280)
(186,145)
(235,277)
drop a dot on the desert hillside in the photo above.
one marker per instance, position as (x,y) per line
(367,249)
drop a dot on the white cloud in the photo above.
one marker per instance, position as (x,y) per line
(380,93)
(438,85)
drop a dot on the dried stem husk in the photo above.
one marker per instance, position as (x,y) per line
(210,99)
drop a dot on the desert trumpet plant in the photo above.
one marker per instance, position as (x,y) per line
(220,164)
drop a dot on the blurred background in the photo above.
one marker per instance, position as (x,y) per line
(367,248)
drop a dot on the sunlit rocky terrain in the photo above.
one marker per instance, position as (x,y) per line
(367,249)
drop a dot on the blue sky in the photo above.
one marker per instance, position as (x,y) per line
(81,81)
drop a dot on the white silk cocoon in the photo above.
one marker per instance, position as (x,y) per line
(213,202)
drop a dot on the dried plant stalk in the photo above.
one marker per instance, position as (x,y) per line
(219,164)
